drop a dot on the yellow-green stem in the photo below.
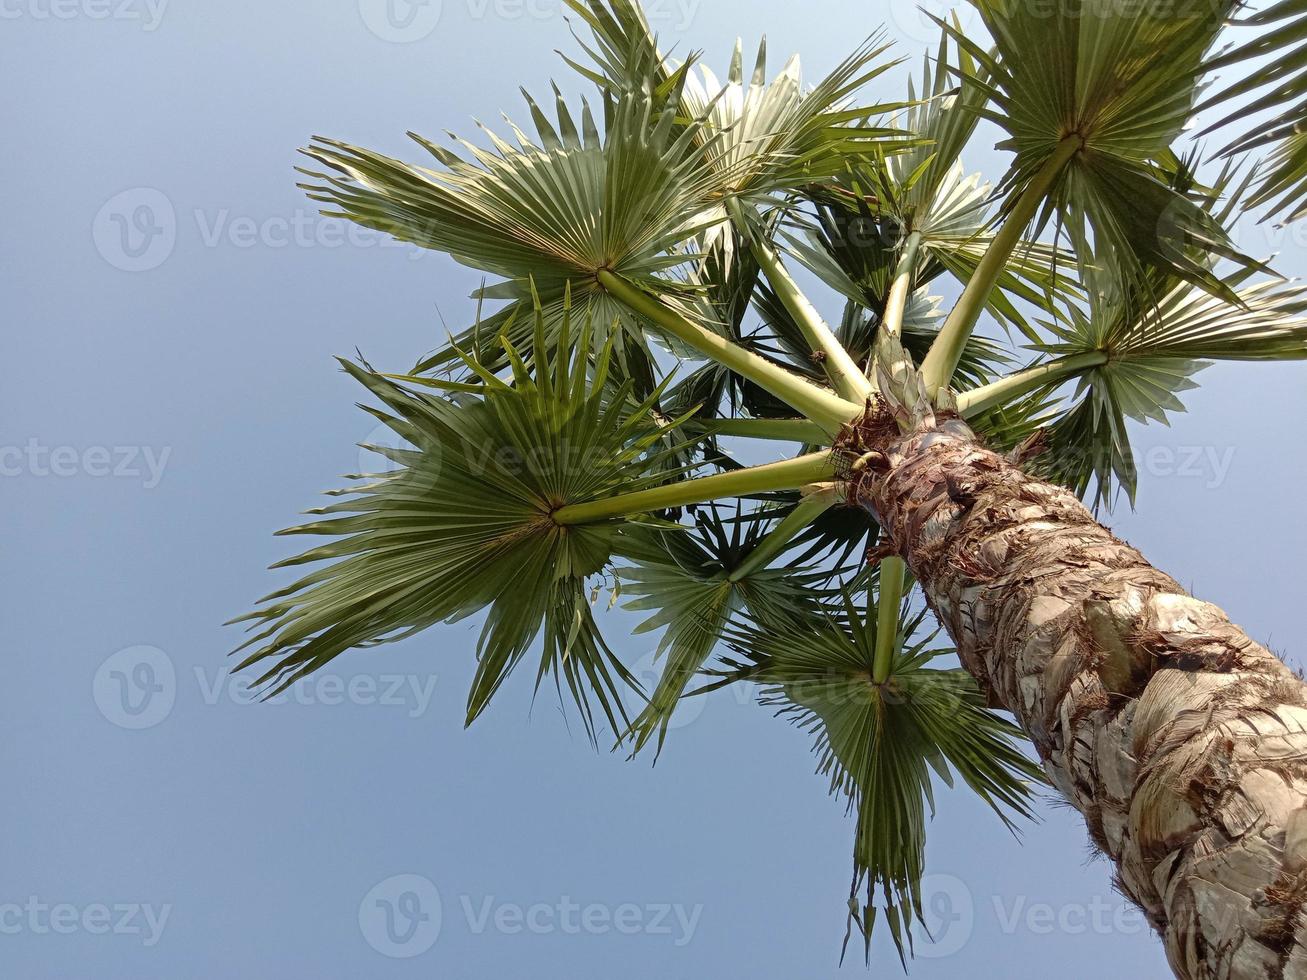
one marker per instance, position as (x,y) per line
(805,512)
(818,404)
(893,576)
(840,366)
(789,474)
(896,304)
(785,430)
(942,359)
(977,400)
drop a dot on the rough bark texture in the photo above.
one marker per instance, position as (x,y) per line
(1182,741)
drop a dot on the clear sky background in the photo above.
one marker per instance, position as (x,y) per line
(168,403)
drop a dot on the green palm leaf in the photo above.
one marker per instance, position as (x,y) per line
(464,525)
(1282,82)
(1106,87)
(880,744)
(778,136)
(922,198)
(767,136)
(624,51)
(543,212)
(693,582)
(1150,354)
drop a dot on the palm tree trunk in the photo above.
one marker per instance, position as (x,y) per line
(1182,741)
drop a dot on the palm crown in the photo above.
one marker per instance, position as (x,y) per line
(642,243)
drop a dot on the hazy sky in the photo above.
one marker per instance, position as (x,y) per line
(170,399)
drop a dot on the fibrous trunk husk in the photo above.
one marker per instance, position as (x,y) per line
(1182,741)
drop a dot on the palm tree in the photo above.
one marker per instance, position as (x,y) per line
(579,438)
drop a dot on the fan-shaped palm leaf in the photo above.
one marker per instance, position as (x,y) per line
(465,523)
(694,582)
(879,743)
(1282,81)
(1092,94)
(545,213)
(1148,356)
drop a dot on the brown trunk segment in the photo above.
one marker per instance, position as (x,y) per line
(1182,741)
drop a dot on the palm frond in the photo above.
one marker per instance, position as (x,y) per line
(1281,39)
(1119,81)
(865,216)
(1150,355)
(464,524)
(879,744)
(689,580)
(777,135)
(624,51)
(544,212)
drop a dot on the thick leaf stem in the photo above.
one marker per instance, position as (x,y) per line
(977,400)
(942,359)
(840,366)
(896,304)
(789,474)
(805,512)
(893,577)
(784,430)
(818,404)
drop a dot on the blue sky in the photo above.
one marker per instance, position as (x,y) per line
(170,400)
